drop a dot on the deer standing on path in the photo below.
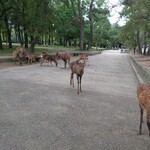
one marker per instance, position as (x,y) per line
(31,57)
(50,58)
(143,94)
(19,55)
(64,56)
(77,67)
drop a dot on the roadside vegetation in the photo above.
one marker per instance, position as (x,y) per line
(136,32)
(73,24)
(78,24)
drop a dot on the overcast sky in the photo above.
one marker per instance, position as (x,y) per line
(115,12)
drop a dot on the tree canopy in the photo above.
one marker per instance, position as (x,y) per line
(82,23)
(136,32)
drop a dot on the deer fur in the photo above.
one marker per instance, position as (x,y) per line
(143,94)
(19,55)
(84,58)
(64,56)
(77,67)
(48,58)
(31,57)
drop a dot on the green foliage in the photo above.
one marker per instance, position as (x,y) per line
(102,32)
(138,16)
(57,20)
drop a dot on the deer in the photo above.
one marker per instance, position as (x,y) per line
(143,95)
(49,58)
(84,57)
(77,67)
(19,55)
(64,56)
(31,57)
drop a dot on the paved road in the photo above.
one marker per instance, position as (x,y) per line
(39,110)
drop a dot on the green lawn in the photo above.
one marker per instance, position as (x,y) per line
(39,49)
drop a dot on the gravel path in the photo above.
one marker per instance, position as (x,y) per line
(39,110)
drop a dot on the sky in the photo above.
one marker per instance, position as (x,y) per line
(115,12)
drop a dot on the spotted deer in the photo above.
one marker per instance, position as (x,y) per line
(20,54)
(64,56)
(143,94)
(77,67)
(49,58)
(31,57)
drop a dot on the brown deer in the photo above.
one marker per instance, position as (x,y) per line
(64,56)
(143,94)
(84,58)
(77,67)
(19,55)
(48,58)
(31,57)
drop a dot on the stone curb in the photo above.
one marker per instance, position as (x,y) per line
(141,72)
(7,59)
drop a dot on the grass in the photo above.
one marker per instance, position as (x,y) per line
(40,48)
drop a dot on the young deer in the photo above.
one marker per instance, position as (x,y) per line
(31,57)
(19,55)
(84,58)
(143,94)
(49,58)
(64,56)
(77,67)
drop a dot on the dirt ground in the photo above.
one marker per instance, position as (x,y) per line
(7,65)
(144,60)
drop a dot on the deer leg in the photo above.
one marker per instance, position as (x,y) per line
(51,63)
(65,63)
(71,77)
(148,121)
(73,80)
(148,125)
(56,62)
(41,63)
(20,62)
(141,120)
(14,60)
(78,84)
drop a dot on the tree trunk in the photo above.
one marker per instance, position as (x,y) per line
(19,36)
(148,53)
(138,42)
(75,43)
(81,26)
(145,43)
(91,25)
(1,45)
(65,41)
(25,38)
(8,31)
(49,40)
(69,43)
(33,42)
(60,41)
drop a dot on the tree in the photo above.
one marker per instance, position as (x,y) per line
(137,12)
